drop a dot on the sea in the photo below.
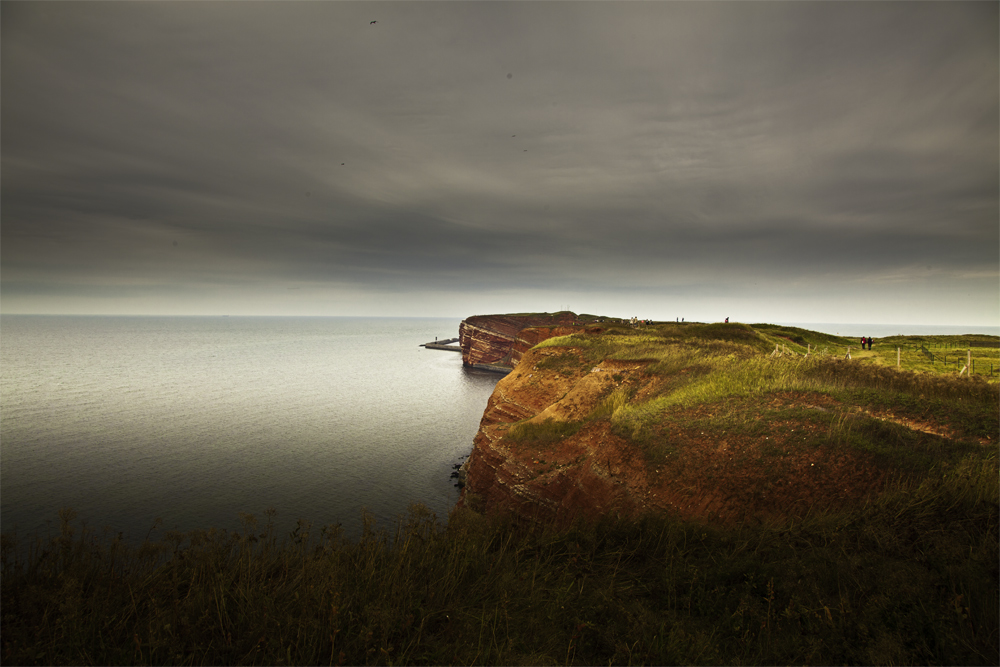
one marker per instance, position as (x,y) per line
(185,422)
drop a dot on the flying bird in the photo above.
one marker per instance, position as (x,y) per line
(373,23)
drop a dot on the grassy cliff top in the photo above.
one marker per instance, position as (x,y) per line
(735,372)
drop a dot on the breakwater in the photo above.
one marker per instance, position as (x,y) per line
(446,344)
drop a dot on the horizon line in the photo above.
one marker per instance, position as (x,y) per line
(451,317)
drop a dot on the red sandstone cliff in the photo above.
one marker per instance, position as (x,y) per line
(593,472)
(500,340)
(587,475)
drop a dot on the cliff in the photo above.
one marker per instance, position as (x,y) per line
(589,474)
(592,424)
(497,342)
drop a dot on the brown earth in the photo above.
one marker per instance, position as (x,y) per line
(721,462)
(922,425)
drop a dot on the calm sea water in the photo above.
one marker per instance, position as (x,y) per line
(195,419)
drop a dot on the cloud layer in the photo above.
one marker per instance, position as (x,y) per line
(765,161)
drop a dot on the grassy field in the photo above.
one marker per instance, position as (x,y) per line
(910,575)
(703,365)
(934,354)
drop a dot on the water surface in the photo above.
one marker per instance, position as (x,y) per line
(195,419)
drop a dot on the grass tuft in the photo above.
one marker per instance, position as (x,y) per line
(541,435)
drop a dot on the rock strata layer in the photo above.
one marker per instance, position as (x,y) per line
(591,474)
(498,341)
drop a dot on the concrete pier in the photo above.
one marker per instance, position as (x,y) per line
(445,344)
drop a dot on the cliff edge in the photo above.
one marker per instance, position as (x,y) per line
(496,342)
(707,422)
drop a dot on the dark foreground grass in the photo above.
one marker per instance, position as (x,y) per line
(910,578)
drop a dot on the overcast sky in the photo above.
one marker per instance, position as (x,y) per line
(785,161)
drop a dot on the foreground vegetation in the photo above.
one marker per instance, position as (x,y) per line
(910,575)
(911,578)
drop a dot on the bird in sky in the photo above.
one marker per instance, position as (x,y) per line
(373,23)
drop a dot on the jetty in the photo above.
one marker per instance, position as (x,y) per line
(445,344)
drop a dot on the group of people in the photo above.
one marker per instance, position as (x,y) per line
(866,341)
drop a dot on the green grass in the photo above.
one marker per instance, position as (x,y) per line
(968,403)
(939,354)
(565,364)
(803,339)
(612,403)
(707,365)
(541,435)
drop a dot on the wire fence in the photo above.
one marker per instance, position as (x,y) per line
(944,358)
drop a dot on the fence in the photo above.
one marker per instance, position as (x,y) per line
(962,362)
(962,346)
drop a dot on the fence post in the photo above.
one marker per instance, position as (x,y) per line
(848,352)
(969,361)
(897,358)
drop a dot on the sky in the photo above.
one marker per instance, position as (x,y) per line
(762,161)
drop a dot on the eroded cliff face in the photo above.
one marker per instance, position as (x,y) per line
(588,475)
(591,472)
(500,340)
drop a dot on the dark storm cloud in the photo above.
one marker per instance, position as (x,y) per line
(583,147)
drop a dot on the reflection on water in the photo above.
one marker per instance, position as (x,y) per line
(195,419)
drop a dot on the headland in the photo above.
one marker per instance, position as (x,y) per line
(721,422)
